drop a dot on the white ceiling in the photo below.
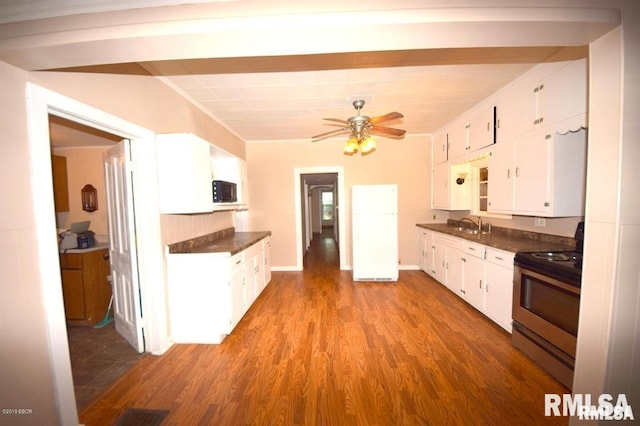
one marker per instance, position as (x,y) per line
(291,105)
(269,77)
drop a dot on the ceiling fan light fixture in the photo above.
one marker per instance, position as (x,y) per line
(368,145)
(351,147)
(360,127)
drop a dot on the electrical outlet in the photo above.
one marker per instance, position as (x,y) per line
(540,221)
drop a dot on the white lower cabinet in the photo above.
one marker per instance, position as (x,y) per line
(425,250)
(473,274)
(499,287)
(209,293)
(481,275)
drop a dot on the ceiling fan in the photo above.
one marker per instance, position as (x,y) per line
(360,128)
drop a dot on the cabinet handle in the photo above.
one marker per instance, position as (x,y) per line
(486,287)
(498,124)
(508,173)
(480,283)
(463,259)
(488,126)
(498,258)
(238,262)
(471,248)
(541,119)
(462,291)
(105,256)
(517,171)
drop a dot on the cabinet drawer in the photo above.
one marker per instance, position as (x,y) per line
(500,257)
(473,249)
(71,261)
(448,240)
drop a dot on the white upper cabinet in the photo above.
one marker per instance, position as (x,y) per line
(440,147)
(457,131)
(563,96)
(187,165)
(539,174)
(554,96)
(448,192)
(468,133)
(184,173)
(481,128)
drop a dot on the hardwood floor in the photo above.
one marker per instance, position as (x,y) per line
(318,349)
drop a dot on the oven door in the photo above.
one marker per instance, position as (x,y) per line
(548,307)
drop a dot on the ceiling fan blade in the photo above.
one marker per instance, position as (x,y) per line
(388,131)
(339,120)
(386,117)
(328,134)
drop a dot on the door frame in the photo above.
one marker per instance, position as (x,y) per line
(40,103)
(340,206)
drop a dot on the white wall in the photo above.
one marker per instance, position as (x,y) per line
(271,183)
(607,359)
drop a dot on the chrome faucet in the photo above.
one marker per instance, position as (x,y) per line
(478,224)
(468,219)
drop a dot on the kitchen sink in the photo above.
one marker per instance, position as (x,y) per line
(470,231)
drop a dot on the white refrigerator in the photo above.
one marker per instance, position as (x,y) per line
(374,226)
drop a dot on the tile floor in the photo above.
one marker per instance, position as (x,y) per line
(98,357)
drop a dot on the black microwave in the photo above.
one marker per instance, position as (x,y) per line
(224,192)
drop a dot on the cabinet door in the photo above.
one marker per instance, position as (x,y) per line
(516,111)
(238,293)
(440,194)
(500,190)
(267,260)
(184,174)
(454,270)
(439,147)
(73,294)
(440,262)
(473,281)
(422,247)
(60,183)
(499,294)
(458,138)
(481,128)
(563,93)
(531,174)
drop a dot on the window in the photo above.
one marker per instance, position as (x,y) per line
(327,206)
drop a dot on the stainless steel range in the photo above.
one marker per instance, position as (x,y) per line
(546,305)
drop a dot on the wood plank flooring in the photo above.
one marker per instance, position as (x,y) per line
(318,349)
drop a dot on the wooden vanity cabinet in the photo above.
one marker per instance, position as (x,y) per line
(85,285)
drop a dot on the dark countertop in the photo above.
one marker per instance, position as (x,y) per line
(510,240)
(226,241)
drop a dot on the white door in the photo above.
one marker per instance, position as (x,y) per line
(122,245)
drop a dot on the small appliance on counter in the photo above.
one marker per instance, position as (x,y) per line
(78,236)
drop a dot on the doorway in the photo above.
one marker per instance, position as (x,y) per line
(312,214)
(99,354)
(42,103)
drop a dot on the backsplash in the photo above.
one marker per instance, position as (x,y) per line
(181,227)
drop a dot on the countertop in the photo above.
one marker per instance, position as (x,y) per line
(226,241)
(98,246)
(510,240)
